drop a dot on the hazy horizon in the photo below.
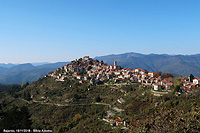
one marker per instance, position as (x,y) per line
(46,62)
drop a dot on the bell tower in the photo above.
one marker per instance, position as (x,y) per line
(115,63)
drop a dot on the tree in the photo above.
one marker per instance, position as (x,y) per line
(167,75)
(91,63)
(1,92)
(177,82)
(177,88)
(76,96)
(89,68)
(27,83)
(16,118)
(13,90)
(77,117)
(159,73)
(26,95)
(59,93)
(98,99)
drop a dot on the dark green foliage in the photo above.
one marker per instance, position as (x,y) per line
(16,118)
(14,89)
(178,82)
(26,95)
(177,88)
(98,99)
(1,93)
(82,72)
(5,87)
(76,96)
(89,68)
(64,119)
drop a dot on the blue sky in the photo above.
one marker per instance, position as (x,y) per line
(63,30)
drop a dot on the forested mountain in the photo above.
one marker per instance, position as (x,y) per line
(176,64)
(21,73)
(20,67)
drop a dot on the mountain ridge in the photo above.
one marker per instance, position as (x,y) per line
(27,72)
(187,64)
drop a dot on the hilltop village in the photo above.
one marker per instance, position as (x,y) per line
(97,72)
(92,96)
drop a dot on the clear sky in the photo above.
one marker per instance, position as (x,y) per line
(63,30)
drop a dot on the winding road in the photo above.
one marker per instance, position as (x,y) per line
(81,104)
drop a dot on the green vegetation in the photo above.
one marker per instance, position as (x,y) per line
(15,118)
(63,119)
(143,112)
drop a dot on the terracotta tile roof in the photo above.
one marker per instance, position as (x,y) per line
(169,84)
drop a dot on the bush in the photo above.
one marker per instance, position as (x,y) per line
(98,99)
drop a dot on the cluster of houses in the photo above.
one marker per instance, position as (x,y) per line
(116,122)
(190,83)
(95,71)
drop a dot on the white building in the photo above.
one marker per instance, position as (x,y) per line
(196,81)
(151,74)
(156,86)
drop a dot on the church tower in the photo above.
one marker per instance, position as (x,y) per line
(115,63)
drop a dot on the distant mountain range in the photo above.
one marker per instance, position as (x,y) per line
(7,65)
(21,73)
(179,65)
